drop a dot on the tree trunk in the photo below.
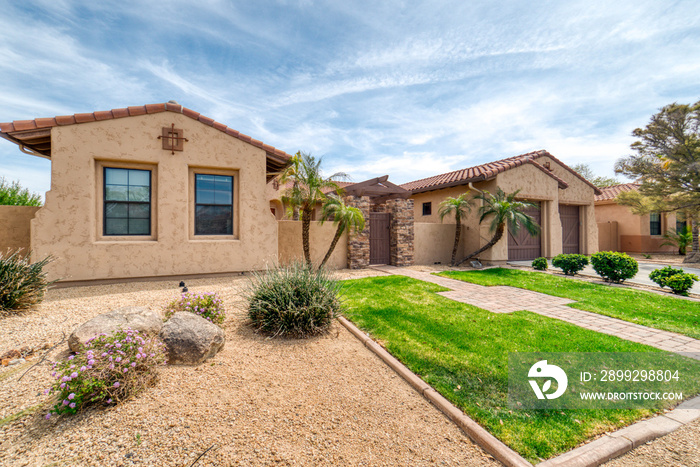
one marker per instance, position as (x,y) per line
(305,227)
(694,256)
(458,233)
(338,233)
(497,236)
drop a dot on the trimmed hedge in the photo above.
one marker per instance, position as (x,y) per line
(540,264)
(660,275)
(614,266)
(681,283)
(570,264)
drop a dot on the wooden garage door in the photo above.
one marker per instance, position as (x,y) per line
(570,226)
(525,246)
(379,238)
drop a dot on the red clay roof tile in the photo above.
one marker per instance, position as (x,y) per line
(45,122)
(155,108)
(65,120)
(206,120)
(137,110)
(120,113)
(103,115)
(610,192)
(187,112)
(21,125)
(84,118)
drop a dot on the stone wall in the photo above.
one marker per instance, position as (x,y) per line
(402,233)
(358,243)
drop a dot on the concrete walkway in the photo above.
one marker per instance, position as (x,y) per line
(642,277)
(503,299)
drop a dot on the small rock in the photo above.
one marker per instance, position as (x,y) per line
(138,318)
(17,361)
(191,339)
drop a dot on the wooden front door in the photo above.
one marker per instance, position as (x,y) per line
(524,246)
(570,227)
(379,238)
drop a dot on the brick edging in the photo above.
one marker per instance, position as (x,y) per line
(473,430)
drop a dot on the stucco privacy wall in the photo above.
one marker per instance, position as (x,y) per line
(69,226)
(634,230)
(290,244)
(434,243)
(15,227)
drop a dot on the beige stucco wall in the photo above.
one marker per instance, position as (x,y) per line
(15,227)
(320,237)
(534,185)
(433,243)
(634,231)
(68,225)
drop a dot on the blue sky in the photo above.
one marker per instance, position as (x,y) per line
(409,89)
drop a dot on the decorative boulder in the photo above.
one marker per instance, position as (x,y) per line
(191,339)
(138,318)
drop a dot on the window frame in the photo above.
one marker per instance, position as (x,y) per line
(652,222)
(105,201)
(232,204)
(193,171)
(429,205)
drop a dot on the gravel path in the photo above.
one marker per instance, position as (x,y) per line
(323,401)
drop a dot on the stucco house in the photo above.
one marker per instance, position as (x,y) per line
(619,229)
(153,190)
(565,212)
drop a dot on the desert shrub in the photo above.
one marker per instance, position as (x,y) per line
(108,370)
(681,283)
(540,264)
(22,283)
(12,194)
(660,275)
(613,266)
(208,305)
(570,264)
(293,301)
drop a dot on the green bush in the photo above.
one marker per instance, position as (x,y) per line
(660,275)
(13,194)
(22,283)
(570,264)
(293,301)
(208,305)
(681,283)
(108,370)
(540,264)
(613,266)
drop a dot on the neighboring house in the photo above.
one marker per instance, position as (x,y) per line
(619,229)
(565,209)
(154,190)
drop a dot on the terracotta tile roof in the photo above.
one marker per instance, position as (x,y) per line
(41,123)
(610,192)
(489,170)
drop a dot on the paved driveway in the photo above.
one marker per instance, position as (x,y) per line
(642,276)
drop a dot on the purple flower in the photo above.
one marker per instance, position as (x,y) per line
(74,375)
(118,359)
(109,401)
(65,378)
(48,415)
(91,362)
(65,402)
(46,391)
(72,405)
(63,385)
(133,365)
(125,370)
(83,368)
(71,357)
(71,396)
(117,345)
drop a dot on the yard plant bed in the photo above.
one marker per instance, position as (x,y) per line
(636,306)
(462,351)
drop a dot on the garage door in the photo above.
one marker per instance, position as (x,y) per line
(523,245)
(570,226)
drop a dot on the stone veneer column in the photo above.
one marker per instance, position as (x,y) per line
(358,243)
(402,252)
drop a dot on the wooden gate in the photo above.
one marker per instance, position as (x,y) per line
(525,246)
(379,238)
(570,227)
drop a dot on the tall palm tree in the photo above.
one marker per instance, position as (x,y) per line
(309,188)
(460,206)
(289,173)
(504,210)
(344,216)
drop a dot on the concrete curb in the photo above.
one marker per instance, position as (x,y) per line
(620,442)
(473,430)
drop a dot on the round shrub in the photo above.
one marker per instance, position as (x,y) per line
(660,275)
(108,370)
(681,283)
(208,305)
(540,264)
(22,283)
(613,266)
(293,301)
(570,264)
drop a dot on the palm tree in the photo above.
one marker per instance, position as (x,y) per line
(680,240)
(289,173)
(344,216)
(460,206)
(308,189)
(504,210)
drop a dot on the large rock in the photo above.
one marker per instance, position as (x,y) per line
(138,318)
(191,339)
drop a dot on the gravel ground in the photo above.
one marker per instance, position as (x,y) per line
(679,449)
(322,401)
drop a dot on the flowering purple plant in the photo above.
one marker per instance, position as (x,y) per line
(208,305)
(109,369)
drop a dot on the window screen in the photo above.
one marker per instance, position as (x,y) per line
(127,202)
(213,211)
(655,223)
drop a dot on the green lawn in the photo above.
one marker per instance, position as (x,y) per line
(462,351)
(636,306)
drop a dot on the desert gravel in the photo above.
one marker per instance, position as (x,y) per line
(322,401)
